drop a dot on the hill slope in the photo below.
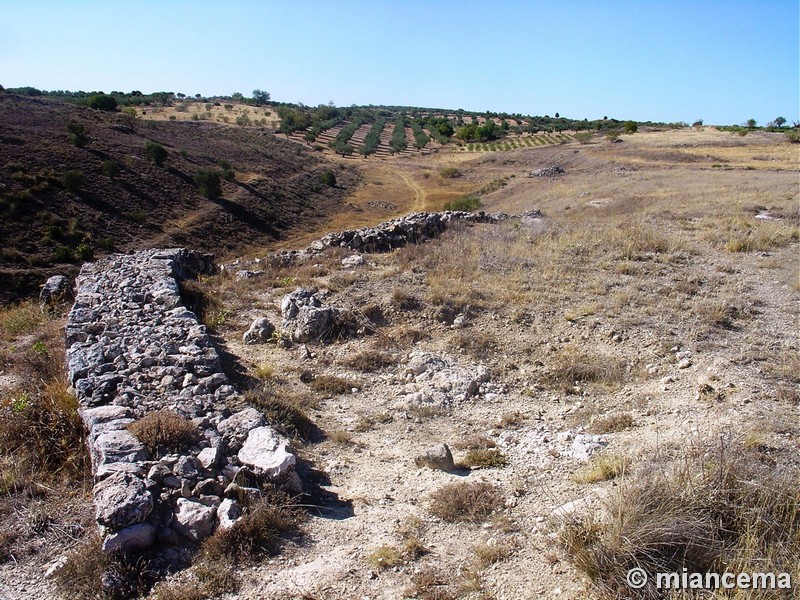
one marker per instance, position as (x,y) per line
(58,205)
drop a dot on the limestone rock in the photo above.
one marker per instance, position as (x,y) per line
(228,512)
(117,446)
(121,500)
(305,319)
(437,457)
(260,331)
(135,537)
(267,452)
(193,519)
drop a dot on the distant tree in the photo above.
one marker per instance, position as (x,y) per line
(260,97)
(237,96)
(208,181)
(180,95)
(778,122)
(156,153)
(630,127)
(698,124)
(103,102)
(751,123)
(77,134)
(557,115)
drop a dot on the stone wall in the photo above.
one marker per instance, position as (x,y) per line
(133,349)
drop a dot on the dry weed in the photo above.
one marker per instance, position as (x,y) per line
(466,501)
(165,431)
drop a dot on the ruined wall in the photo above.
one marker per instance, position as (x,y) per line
(134,349)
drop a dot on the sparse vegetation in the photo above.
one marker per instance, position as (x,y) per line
(467,501)
(164,431)
(156,153)
(719,509)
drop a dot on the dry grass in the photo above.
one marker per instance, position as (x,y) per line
(466,501)
(283,412)
(165,431)
(332,385)
(484,459)
(20,319)
(473,442)
(341,438)
(611,423)
(258,532)
(369,361)
(719,509)
(575,365)
(491,552)
(384,557)
(602,467)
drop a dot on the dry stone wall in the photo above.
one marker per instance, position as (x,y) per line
(134,349)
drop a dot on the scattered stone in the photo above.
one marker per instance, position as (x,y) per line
(583,446)
(356,260)
(260,332)
(547,172)
(228,513)
(438,457)
(305,318)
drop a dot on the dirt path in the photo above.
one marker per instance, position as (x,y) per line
(419,193)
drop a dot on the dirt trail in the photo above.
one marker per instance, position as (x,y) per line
(419,193)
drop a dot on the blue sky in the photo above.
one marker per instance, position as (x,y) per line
(661,60)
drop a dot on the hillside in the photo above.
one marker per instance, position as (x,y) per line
(61,202)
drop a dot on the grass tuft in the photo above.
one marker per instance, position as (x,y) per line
(465,501)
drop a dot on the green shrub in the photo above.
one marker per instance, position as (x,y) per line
(793,135)
(630,127)
(77,134)
(102,102)
(109,168)
(328,178)
(156,153)
(84,252)
(465,203)
(583,137)
(63,254)
(208,181)
(450,172)
(72,180)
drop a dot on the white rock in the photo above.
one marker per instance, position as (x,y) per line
(228,512)
(266,451)
(193,519)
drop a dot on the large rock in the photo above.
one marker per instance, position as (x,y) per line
(135,537)
(305,318)
(121,500)
(117,446)
(236,428)
(260,332)
(56,290)
(193,519)
(267,453)
(437,457)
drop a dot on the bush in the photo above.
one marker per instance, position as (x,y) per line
(208,181)
(630,127)
(721,508)
(465,203)
(72,180)
(164,431)
(328,178)
(467,501)
(793,135)
(450,172)
(109,168)
(77,134)
(583,137)
(256,533)
(102,102)
(156,153)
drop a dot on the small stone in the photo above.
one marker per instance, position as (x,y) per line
(122,500)
(228,512)
(135,537)
(260,332)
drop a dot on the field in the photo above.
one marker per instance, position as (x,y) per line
(643,329)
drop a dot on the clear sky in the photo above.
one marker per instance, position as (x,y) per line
(723,61)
